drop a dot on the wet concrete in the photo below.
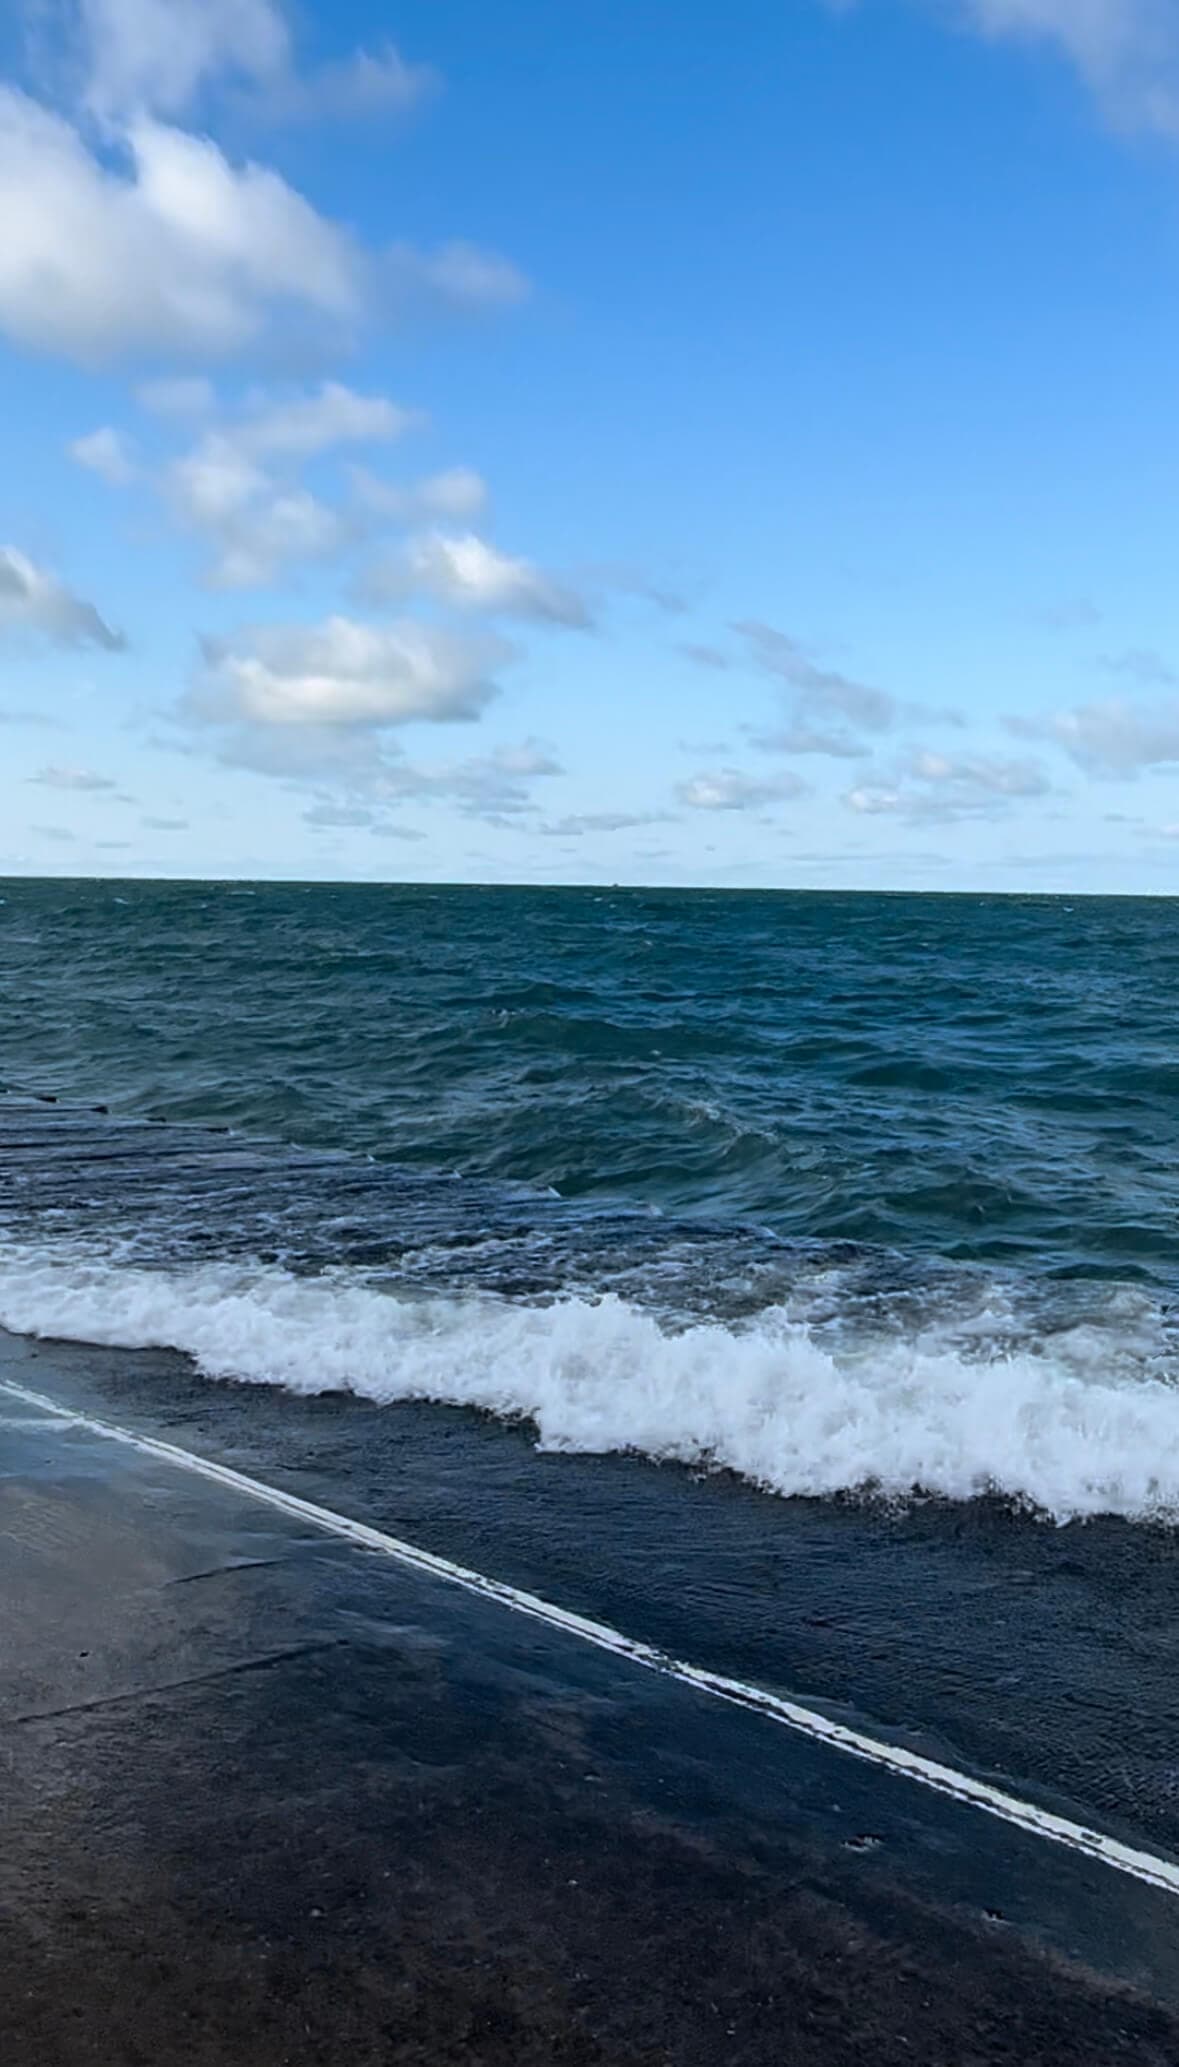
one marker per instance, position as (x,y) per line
(266,1798)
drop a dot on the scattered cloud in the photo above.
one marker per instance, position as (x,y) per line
(802,739)
(1142,664)
(254,524)
(238,486)
(495,787)
(1077,614)
(727,789)
(449,496)
(160,246)
(380,82)
(80,779)
(466,573)
(301,427)
(1113,739)
(31,599)
(705,656)
(1126,51)
(165,825)
(933,788)
(344,673)
(191,395)
(457,277)
(105,452)
(337,816)
(579,823)
(819,690)
(124,58)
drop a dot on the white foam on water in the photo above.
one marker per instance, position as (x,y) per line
(766,1401)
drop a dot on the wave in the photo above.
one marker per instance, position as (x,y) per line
(764,1400)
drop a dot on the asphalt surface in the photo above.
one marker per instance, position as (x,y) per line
(266,1797)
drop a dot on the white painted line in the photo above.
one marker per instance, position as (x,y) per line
(1157,1872)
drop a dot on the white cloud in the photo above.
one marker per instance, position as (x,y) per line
(802,739)
(167,248)
(457,276)
(165,825)
(1142,664)
(493,787)
(78,779)
(1112,738)
(818,689)
(465,572)
(455,493)
(31,599)
(726,789)
(257,518)
(254,524)
(705,656)
(344,673)
(306,425)
(580,823)
(191,395)
(934,788)
(1126,51)
(105,452)
(157,55)
(369,82)
(129,57)
(336,816)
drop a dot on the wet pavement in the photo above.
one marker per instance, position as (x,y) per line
(266,1796)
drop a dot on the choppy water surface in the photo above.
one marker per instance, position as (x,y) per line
(834,1190)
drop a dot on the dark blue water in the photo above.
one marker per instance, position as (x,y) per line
(834,1188)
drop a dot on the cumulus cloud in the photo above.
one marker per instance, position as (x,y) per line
(237,487)
(727,789)
(1126,51)
(125,57)
(803,739)
(457,276)
(1142,664)
(336,817)
(344,673)
(1112,738)
(463,571)
(32,599)
(79,779)
(369,82)
(818,689)
(303,426)
(494,787)
(451,495)
(254,524)
(166,247)
(181,395)
(934,788)
(579,823)
(161,245)
(105,452)
(705,656)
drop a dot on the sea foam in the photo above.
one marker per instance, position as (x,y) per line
(766,1401)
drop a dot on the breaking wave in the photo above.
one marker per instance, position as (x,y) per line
(1056,1432)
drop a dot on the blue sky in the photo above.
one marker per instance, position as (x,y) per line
(563,444)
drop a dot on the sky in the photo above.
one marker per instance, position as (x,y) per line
(591,443)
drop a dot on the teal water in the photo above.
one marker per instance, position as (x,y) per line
(922,1127)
